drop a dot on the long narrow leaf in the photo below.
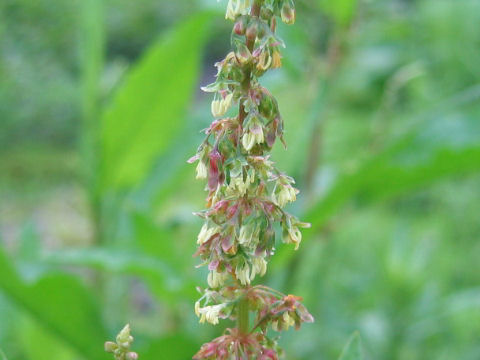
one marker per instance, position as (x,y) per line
(61,304)
(148,110)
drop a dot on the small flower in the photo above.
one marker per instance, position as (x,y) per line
(243,274)
(220,107)
(294,236)
(216,279)
(248,141)
(287,321)
(259,267)
(253,134)
(210,313)
(246,234)
(286,194)
(288,13)
(206,233)
(201,170)
(238,186)
(236,7)
(264,61)
(276,59)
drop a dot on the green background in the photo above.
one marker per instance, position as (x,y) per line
(100,108)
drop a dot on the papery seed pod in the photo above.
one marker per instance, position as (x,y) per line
(243,54)
(288,12)
(240,26)
(252,30)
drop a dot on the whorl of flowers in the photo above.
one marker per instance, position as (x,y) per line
(246,192)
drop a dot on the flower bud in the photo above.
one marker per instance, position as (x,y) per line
(131,356)
(110,346)
(239,28)
(288,13)
(124,338)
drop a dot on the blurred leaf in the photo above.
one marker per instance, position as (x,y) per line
(341,10)
(153,240)
(38,344)
(148,110)
(160,276)
(118,261)
(353,349)
(379,178)
(60,303)
(172,347)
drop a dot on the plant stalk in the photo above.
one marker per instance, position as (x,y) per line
(243,318)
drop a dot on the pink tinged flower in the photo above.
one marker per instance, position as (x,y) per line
(269,354)
(193,159)
(214,175)
(232,210)
(228,245)
(213,265)
(288,13)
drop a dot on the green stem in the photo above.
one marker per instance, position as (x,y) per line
(242,316)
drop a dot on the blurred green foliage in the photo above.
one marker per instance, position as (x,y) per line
(100,109)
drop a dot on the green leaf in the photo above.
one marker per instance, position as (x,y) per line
(341,10)
(36,343)
(353,348)
(160,275)
(380,179)
(61,304)
(118,261)
(148,110)
(172,347)
(2,355)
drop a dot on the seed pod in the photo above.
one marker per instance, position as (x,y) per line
(252,30)
(240,26)
(288,13)
(243,54)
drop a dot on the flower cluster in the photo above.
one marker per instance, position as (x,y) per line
(246,192)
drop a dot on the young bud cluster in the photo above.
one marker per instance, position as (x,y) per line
(121,348)
(246,192)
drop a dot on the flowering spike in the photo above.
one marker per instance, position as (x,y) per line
(246,192)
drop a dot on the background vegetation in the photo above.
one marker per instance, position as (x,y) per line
(100,108)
